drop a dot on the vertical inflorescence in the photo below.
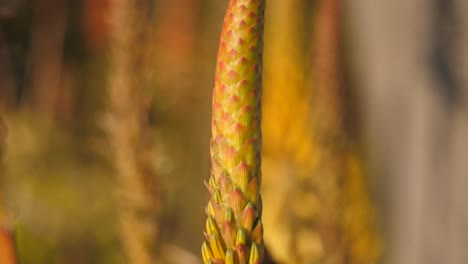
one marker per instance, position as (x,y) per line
(234,231)
(129,131)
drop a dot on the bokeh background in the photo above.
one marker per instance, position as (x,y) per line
(106,104)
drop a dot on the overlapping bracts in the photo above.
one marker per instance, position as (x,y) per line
(234,231)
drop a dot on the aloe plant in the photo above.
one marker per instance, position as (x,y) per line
(234,230)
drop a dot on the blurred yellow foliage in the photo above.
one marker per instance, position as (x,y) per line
(316,206)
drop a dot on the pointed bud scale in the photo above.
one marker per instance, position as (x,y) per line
(235,148)
(217,247)
(241,238)
(216,171)
(225,184)
(257,233)
(232,77)
(251,150)
(236,133)
(225,174)
(230,256)
(234,102)
(248,217)
(243,175)
(246,116)
(241,63)
(211,227)
(217,196)
(206,252)
(252,190)
(213,183)
(210,189)
(232,158)
(255,254)
(229,233)
(210,211)
(216,211)
(242,254)
(229,216)
(219,145)
(237,201)
(226,117)
(233,54)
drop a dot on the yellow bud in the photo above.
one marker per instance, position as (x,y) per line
(206,252)
(217,247)
(254,254)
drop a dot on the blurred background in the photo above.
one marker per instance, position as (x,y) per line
(105,113)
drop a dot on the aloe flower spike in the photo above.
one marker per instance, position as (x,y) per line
(234,230)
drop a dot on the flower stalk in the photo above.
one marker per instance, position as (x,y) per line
(234,230)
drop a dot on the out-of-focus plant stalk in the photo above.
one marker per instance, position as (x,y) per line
(2,137)
(329,129)
(327,68)
(46,54)
(234,230)
(95,23)
(7,249)
(287,98)
(129,133)
(346,220)
(176,34)
(8,86)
